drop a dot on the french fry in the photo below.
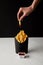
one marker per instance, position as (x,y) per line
(19,23)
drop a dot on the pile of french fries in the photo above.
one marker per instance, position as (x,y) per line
(21,36)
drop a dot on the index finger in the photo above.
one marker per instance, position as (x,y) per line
(18,14)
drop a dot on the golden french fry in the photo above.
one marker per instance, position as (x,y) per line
(19,23)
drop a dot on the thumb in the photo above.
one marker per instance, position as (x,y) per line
(21,18)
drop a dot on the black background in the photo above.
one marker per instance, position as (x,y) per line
(32,24)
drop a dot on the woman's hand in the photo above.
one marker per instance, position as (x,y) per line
(25,12)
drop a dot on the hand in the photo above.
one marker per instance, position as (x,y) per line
(25,12)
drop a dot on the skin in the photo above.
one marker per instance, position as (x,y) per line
(27,10)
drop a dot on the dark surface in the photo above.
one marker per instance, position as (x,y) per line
(21,47)
(33,24)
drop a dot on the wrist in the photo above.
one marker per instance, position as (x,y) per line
(34,4)
(31,7)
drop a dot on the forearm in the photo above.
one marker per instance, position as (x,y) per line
(35,3)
